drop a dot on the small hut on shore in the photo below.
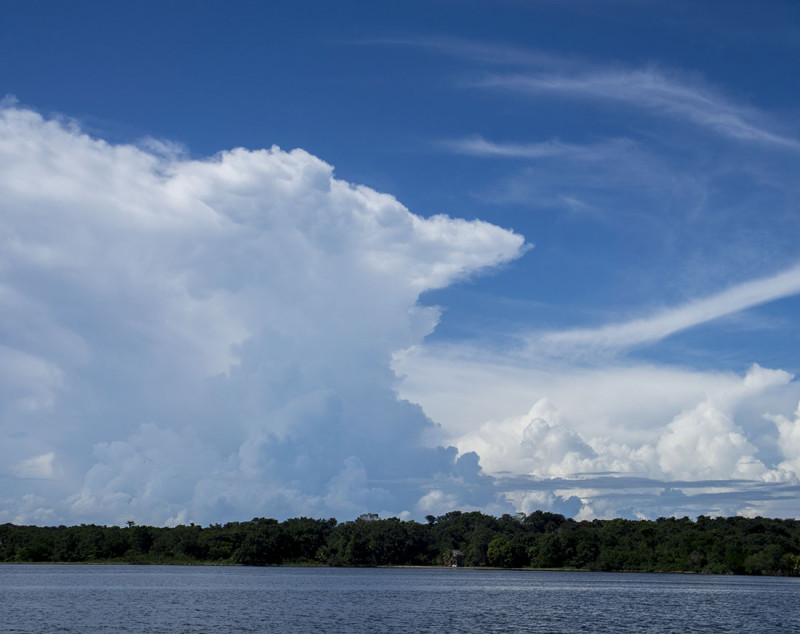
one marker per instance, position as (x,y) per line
(457,559)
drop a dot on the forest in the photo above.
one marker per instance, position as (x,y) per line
(539,540)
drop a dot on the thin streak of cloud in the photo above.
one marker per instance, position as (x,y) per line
(648,88)
(657,327)
(480,147)
(616,481)
(653,90)
(480,52)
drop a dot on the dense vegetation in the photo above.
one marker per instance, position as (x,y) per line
(541,540)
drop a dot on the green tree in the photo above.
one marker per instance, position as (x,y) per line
(500,553)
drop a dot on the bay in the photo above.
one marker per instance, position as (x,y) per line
(98,598)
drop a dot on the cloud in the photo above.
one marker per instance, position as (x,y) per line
(706,444)
(35,467)
(656,166)
(700,442)
(649,88)
(478,146)
(538,444)
(652,90)
(616,437)
(27,382)
(202,340)
(481,52)
(649,329)
(788,440)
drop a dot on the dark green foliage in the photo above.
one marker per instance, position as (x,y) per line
(736,545)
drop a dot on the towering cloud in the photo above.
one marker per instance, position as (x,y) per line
(202,340)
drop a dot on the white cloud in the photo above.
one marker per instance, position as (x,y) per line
(648,329)
(478,51)
(650,89)
(478,146)
(653,430)
(788,440)
(571,408)
(27,382)
(199,340)
(438,502)
(705,444)
(35,466)
(538,444)
(462,387)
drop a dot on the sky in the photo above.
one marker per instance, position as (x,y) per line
(322,259)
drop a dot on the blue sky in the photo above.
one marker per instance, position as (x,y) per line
(310,258)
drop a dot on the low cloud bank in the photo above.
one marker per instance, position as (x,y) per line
(622,439)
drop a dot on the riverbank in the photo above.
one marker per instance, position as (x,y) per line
(538,541)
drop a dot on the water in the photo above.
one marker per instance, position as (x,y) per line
(74,598)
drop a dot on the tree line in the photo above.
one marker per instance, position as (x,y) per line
(722,545)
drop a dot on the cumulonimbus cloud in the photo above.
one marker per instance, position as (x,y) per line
(210,339)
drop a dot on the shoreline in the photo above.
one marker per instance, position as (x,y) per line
(201,564)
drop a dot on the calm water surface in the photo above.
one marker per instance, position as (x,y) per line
(53,598)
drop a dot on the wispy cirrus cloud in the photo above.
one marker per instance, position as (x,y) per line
(658,90)
(654,90)
(656,327)
(479,146)
(480,52)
